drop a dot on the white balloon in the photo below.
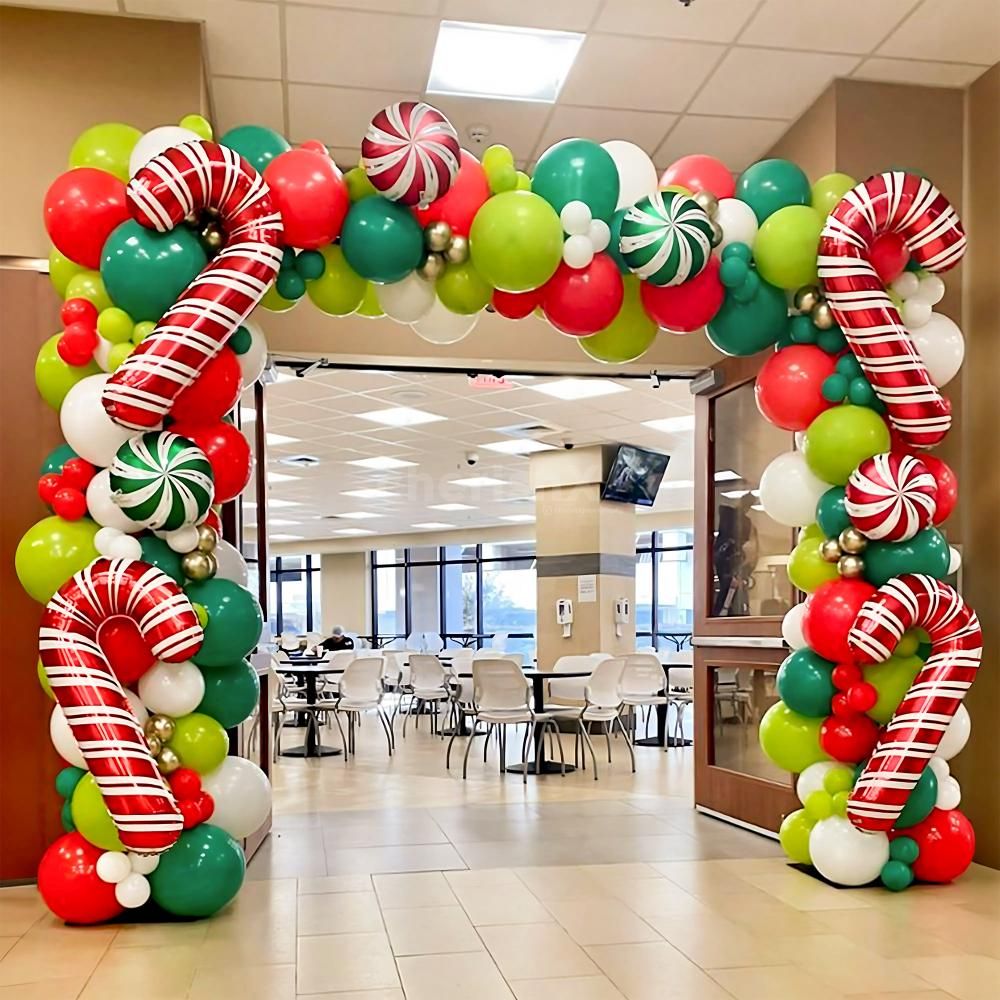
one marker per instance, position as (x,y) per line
(575,218)
(103,509)
(113,866)
(906,285)
(931,289)
(940,767)
(102,354)
(105,538)
(408,300)
(940,343)
(144,864)
(578,251)
(791,626)
(442,326)
(914,314)
(88,430)
(133,891)
(253,361)
(789,490)
(242,796)
(173,689)
(949,793)
(155,142)
(136,706)
(637,175)
(231,565)
(811,779)
(954,560)
(737,221)
(599,235)
(956,735)
(125,547)
(183,539)
(63,739)
(844,855)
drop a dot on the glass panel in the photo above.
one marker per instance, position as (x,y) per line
(509,550)
(425,553)
(272,607)
(425,598)
(293,604)
(750,551)
(644,540)
(460,597)
(674,590)
(675,538)
(317,604)
(509,601)
(644,599)
(460,552)
(292,563)
(389,557)
(742,696)
(391,592)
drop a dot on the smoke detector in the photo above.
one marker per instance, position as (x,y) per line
(478,134)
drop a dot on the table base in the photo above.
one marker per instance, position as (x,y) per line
(318,751)
(548,767)
(654,741)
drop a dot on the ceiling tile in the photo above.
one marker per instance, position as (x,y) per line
(644,74)
(960,30)
(644,128)
(738,142)
(85,6)
(927,74)
(858,27)
(238,102)
(516,124)
(711,21)
(757,82)
(254,50)
(359,49)
(384,6)
(563,15)
(337,116)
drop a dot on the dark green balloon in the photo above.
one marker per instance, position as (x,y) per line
(240,341)
(927,552)
(381,240)
(310,264)
(290,284)
(577,170)
(231,692)
(256,144)
(921,801)
(904,849)
(830,513)
(802,330)
(156,552)
(769,185)
(805,683)
(66,817)
(234,621)
(67,779)
(832,341)
(896,875)
(614,250)
(744,328)
(56,459)
(200,874)
(144,271)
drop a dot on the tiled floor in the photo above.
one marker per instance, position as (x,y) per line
(392,879)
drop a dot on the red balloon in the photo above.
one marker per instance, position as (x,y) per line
(789,387)
(947,843)
(227,451)
(191,811)
(48,486)
(516,305)
(206,805)
(69,503)
(78,311)
(862,697)
(310,192)
(829,615)
(213,393)
(841,707)
(581,301)
(78,472)
(699,172)
(888,256)
(77,344)
(68,882)
(846,675)
(686,307)
(185,783)
(459,204)
(81,208)
(213,520)
(125,649)
(947,487)
(851,739)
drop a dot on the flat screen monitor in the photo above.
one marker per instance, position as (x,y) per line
(635,476)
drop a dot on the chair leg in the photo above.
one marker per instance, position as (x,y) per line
(558,742)
(524,744)
(468,747)
(385,726)
(340,729)
(532,726)
(502,741)
(628,742)
(607,737)
(486,745)
(590,747)
(447,755)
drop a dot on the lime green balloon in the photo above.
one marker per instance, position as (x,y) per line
(115,325)
(827,192)
(142,330)
(234,621)
(819,805)
(503,179)
(53,377)
(838,779)
(107,147)
(462,289)
(51,551)
(200,742)
(91,817)
(813,530)
(156,552)
(793,834)
(841,438)
(370,307)
(43,679)
(578,170)
(770,185)
(495,157)
(516,241)
(628,336)
(338,291)
(807,569)
(786,247)
(199,125)
(790,740)
(744,328)
(89,285)
(523,181)
(274,302)
(358,185)
(805,682)
(61,270)
(839,801)
(231,693)
(381,240)
(256,144)
(926,552)
(909,643)
(200,874)
(891,679)
(118,354)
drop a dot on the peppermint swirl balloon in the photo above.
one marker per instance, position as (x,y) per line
(666,238)
(410,153)
(162,480)
(891,497)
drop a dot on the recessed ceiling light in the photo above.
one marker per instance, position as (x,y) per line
(380,463)
(248,414)
(275,503)
(358,515)
(286,538)
(400,416)
(432,524)
(369,494)
(479,60)
(273,438)
(280,477)
(519,518)
(677,484)
(727,476)
(671,425)
(756,506)
(280,522)
(354,531)
(518,446)
(735,494)
(450,506)
(578,388)
(478,481)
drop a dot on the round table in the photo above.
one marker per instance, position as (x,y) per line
(309,671)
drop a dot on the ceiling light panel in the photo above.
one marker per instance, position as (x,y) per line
(358,515)
(578,388)
(478,481)
(450,506)
(279,439)
(518,446)
(671,425)
(400,416)
(381,463)
(432,524)
(369,494)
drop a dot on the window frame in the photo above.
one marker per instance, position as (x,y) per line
(310,570)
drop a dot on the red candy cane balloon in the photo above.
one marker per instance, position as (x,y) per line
(914,208)
(891,497)
(92,699)
(909,740)
(184,180)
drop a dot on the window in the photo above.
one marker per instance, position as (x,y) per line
(294,595)
(664,588)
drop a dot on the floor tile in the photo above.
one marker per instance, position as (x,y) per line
(390,994)
(50,989)
(713,942)
(600,920)
(335,883)
(159,934)
(431,930)
(6,943)
(345,962)
(339,913)
(20,907)
(503,903)
(778,981)
(413,889)
(401,858)
(559,883)
(247,982)
(386,833)
(575,988)
(452,977)
(655,971)
(168,970)
(55,953)
(536,951)
(968,977)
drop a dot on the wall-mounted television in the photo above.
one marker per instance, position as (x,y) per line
(634,476)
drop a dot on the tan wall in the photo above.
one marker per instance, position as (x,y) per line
(344,587)
(61,73)
(811,142)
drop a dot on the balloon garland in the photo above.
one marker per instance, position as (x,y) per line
(165,242)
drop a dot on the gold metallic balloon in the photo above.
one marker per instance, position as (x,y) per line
(154,744)
(208,538)
(830,550)
(851,540)
(822,316)
(168,761)
(437,236)
(160,726)
(431,267)
(707,202)
(458,250)
(807,298)
(851,566)
(717,233)
(212,237)
(199,565)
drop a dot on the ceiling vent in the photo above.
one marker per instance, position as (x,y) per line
(301,461)
(532,429)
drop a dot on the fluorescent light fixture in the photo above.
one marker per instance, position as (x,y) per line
(286,538)
(450,506)
(248,414)
(578,388)
(493,60)
(380,463)
(757,506)
(518,446)
(369,494)
(400,416)
(671,425)
(276,503)
(519,518)
(735,494)
(478,481)
(280,522)
(249,503)
(677,484)
(358,515)
(280,477)
(354,531)
(273,438)
(727,476)
(432,524)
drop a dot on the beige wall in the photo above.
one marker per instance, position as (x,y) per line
(344,587)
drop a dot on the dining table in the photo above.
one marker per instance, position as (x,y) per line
(306,670)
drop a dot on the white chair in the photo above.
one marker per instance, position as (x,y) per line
(570,689)
(428,686)
(492,654)
(433,643)
(287,700)
(643,683)
(499,641)
(415,642)
(680,693)
(328,685)
(361,691)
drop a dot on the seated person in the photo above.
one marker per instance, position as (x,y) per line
(337,641)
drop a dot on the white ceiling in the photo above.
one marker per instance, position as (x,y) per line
(723,77)
(321,411)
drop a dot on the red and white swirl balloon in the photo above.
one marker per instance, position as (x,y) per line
(890,497)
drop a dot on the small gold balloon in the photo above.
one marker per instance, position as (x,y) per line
(168,761)
(851,566)
(830,550)
(807,298)
(822,316)
(160,726)
(208,538)
(458,250)
(707,202)
(154,744)
(717,233)
(431,267)
(852,541)
(198,565)
(437,236)
(212,237)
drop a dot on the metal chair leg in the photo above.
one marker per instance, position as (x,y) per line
(607,736)
(385,726)
(340,729)
(524,752)
(590,747)
(486,745)
(628,742)
(468,747)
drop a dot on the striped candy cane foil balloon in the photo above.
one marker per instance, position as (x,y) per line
(909,740)
(108,734)
(911,206)
(184,180)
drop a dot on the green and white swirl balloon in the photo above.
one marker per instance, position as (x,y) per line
(666,238)
(162,480)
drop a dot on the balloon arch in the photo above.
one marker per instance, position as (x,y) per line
(165,243)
